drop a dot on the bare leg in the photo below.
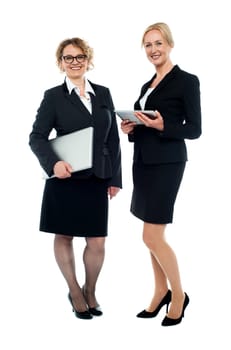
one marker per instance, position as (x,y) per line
(161,284)
(93,259)
(64,254)
(153,236)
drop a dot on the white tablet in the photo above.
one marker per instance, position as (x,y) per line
(129,115)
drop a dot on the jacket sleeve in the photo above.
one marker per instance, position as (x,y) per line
(41,129)
(190,128)
(114,148)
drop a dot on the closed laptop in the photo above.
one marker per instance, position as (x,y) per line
(75,148)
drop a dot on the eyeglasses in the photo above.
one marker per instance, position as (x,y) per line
(70,59)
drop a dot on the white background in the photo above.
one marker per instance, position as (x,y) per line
(34,310)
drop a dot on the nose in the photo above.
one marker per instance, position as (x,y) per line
(153,47)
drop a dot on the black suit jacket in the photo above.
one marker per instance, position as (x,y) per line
(66,113)
(177,98)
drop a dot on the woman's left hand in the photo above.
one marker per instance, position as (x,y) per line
(156,123)
(112,191)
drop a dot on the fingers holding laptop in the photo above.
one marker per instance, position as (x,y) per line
(62,169)
(127,126)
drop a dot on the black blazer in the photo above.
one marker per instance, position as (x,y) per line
(66,113)
(177,98)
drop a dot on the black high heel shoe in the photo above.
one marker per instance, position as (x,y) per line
(167,321)
(165,301)
(95,311)
(85,315)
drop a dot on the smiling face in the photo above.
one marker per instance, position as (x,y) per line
(157,48)
(74,70)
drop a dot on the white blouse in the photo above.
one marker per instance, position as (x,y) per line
(86,100)
(144,98)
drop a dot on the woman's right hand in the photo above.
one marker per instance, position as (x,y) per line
(62,169)
(127,126)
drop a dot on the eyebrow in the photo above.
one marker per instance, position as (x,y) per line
(155,41)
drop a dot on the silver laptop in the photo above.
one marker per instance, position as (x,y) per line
(75,148)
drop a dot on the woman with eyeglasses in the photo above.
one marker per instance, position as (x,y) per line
(75,203)
(160,156)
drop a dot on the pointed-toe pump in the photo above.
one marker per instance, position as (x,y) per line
(84,315)
(95,311)
(167,321)
(165,301)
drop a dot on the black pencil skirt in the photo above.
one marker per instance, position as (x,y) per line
(155,191)
(75,207)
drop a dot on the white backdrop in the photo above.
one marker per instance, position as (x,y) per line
(34,310)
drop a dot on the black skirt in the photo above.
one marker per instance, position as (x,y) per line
(155,190)
(75,207)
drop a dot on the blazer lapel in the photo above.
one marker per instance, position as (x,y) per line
(74,99)
(163,82)
(166,79)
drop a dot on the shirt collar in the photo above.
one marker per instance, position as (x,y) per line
(71,86)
